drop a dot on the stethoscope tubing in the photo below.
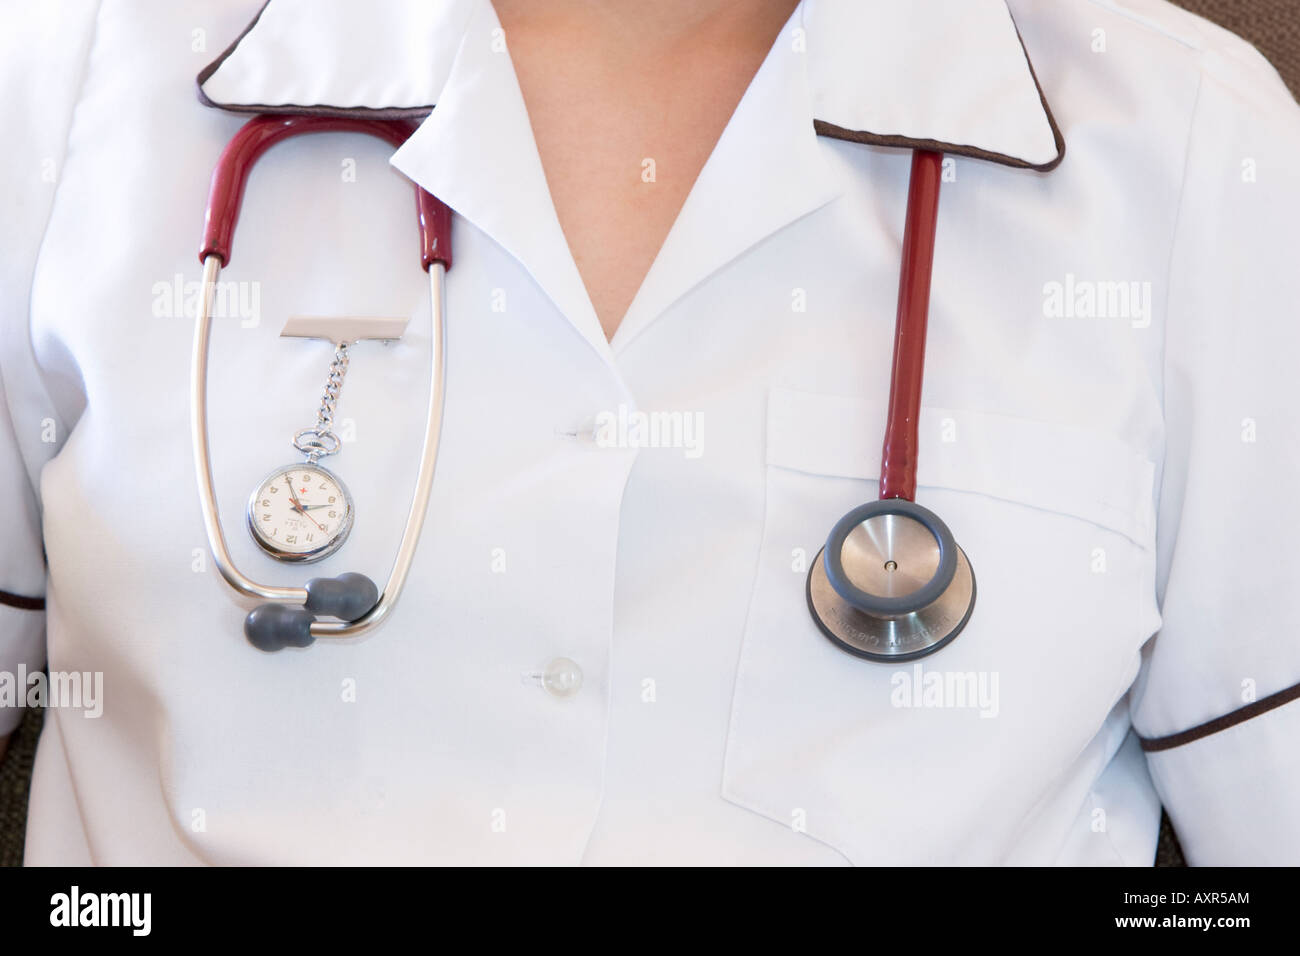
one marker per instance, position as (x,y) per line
(901,446)
(254,138)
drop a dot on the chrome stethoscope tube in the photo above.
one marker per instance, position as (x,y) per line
(203,456)
(423,483)
(277,625)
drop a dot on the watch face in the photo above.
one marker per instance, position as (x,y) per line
(300,513)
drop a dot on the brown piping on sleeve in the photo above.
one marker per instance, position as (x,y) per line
(22,603)
(1218,724)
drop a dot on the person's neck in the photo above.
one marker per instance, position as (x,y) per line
(650,27)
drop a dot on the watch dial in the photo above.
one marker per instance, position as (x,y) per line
(300,513)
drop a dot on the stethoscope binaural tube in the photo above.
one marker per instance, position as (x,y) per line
(891,583)
(353,599)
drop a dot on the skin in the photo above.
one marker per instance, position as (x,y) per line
(611,83)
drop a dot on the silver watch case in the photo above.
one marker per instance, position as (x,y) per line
(300,557)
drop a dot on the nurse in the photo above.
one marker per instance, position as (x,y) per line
(689,215)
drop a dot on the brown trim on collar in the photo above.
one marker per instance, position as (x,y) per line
(21,603)
(821,127)
(361,112)
(1218,724)
(1057,135)
(367,112)
(875,139)
(206,73)
(905,142)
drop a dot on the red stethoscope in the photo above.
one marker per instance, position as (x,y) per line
(890,584)
(350,604)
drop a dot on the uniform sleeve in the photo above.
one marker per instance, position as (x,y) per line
(22,568)
(43,50)
(1217,707)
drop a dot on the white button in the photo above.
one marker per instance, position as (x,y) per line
(562,678)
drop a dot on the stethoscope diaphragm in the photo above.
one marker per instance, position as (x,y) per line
(891,584)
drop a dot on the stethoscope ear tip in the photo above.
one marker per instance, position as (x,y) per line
(273,627)
(348,597)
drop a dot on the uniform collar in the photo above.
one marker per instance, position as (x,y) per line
(938,74)
(951,75)
(948,73)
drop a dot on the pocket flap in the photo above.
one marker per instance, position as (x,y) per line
(1056,467)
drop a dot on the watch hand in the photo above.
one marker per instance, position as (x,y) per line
(303,511)
(297,505)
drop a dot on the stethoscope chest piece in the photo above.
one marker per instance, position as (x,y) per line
(891,584)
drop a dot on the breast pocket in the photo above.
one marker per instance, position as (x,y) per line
(947,757)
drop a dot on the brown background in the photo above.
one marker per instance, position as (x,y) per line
(1272,25)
